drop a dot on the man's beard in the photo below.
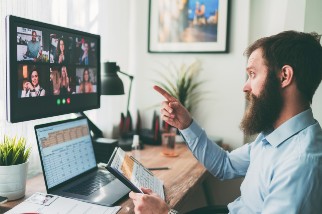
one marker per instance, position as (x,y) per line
(263,111)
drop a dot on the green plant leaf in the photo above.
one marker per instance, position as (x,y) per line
(182,82)
(13,151)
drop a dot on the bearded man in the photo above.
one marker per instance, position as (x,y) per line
(283,166)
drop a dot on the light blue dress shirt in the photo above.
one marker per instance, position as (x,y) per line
(282,169)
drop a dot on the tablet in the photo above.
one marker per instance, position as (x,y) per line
(132,173)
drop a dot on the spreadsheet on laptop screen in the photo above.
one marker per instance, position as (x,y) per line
(66,150)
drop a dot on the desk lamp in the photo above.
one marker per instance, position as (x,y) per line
(112,84)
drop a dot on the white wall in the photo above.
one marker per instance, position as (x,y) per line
(313,17)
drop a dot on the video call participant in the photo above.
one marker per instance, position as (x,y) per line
(282,168)
(54,81)
(61,52)
(32,88)
(84,59)
(33,47)
(86,85)
(64,81)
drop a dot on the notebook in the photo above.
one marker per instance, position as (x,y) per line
(69,166)
(132,173)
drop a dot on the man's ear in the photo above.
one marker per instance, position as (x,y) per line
(286,75)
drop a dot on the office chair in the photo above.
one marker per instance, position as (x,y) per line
(218,209)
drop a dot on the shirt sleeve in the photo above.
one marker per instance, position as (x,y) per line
(220,163)
(295,187)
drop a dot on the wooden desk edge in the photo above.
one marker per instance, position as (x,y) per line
(181,203)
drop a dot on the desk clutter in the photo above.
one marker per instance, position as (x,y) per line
(103,149)
(150,136)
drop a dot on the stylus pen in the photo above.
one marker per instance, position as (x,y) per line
(158,168)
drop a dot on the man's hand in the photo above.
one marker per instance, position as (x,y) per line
(149,202)
(173,112)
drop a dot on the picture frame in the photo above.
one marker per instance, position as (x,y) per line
(188,26)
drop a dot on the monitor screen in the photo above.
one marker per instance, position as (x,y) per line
(51,70)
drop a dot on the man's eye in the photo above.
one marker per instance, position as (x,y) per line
(252,74)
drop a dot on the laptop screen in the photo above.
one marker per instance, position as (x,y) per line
(65,149)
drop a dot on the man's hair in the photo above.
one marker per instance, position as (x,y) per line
(301,51)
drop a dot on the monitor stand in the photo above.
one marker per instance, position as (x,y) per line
(103,147)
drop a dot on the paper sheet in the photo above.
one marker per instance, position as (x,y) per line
(50,204)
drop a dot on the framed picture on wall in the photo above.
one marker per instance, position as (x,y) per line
(188,26)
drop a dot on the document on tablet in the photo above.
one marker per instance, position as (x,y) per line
(53,204)
(132,173)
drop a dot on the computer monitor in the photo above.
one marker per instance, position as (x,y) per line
(51,70)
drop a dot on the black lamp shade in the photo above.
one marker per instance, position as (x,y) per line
(111,83)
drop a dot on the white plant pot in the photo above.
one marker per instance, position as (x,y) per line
(13,181)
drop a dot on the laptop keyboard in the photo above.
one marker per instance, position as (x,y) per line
(91,184)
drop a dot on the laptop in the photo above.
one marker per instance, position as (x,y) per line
(69,166)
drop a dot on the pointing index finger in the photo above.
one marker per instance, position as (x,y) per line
(164,93)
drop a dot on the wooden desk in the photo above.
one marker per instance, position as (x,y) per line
(182,179)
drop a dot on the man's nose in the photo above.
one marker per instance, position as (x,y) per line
(247,87)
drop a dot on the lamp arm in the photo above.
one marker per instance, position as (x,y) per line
(128,75)
(130,88)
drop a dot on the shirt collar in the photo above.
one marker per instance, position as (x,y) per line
(290,127)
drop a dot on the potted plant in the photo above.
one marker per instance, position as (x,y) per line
(183,84)
(14,154)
